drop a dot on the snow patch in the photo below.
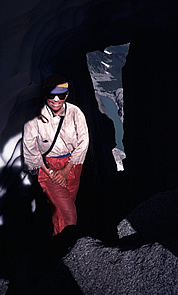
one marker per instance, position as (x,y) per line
(119,156)
(105,64)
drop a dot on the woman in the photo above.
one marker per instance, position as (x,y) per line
(59,172)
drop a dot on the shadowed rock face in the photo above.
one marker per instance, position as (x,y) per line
(150,90)
(42,37)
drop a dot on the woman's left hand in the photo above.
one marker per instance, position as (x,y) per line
(60,176)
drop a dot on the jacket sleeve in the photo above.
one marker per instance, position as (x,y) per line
(32,155)
(79,153)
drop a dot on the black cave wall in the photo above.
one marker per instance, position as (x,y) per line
(150,80)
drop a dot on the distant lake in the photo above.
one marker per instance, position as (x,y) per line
(112,113)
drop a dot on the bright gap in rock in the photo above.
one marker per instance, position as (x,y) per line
(106,72)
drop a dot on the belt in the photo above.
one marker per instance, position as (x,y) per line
(63,156)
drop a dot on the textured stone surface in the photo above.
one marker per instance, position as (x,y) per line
(144,264)
(144,261)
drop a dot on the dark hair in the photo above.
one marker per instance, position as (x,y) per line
(52,81)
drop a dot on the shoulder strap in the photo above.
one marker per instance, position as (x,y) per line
(55,137)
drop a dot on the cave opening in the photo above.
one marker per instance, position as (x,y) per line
(105,68)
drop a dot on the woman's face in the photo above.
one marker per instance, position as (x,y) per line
(56,101)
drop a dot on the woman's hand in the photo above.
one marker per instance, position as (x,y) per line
(60,176)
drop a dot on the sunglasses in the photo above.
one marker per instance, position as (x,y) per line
(60,96)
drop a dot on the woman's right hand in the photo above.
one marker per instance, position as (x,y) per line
(57,177)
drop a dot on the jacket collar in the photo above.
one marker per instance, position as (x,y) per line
(62,111)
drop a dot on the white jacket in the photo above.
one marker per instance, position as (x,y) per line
(39,134)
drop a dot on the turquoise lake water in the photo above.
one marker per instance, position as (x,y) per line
(112,113)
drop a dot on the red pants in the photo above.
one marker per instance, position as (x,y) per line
(61,199)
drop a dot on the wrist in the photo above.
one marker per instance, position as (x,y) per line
(50,172)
